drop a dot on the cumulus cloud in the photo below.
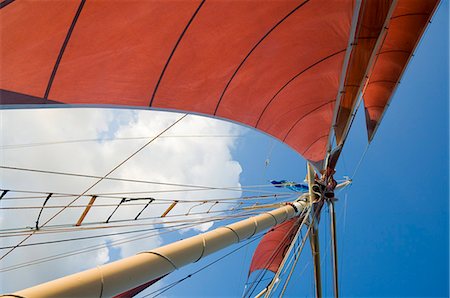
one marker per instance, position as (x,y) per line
(186,160)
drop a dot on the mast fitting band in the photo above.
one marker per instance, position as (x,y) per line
(234,232)
(162,256)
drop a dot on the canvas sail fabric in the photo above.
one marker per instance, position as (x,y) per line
(371,22)
(273,246)
(406,26)
(273,65)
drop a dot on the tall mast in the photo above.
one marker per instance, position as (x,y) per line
(334,247)
(314,234)
(129,273)
(315,250)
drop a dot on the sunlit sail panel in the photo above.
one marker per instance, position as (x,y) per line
(273,246)
(268,66)
(118,50)
(217,41)
(368,36)
(407,25)
(32,35)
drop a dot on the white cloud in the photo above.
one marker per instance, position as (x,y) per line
(193,160)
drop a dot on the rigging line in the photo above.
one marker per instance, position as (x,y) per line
(123,220)
(273,287)
(114,234)
(168,287)
(15,232)
(4,192)
(97,182)
(119,227)
(269,185)
(26,145)
(262,273)
(94,247)
(245,200)
(327,250)
(42,208)
(193,206)
(300,248)
(265,279)
(139,225)
(243,269)
(260,277)
(161,200)
(245,187)
(360,161)
(297,253)
(127,239)
(343,241)
(86,249)
(128,180)
(74,228)
(95,206)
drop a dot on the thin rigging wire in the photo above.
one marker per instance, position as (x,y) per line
(111,234)
(262,273)
(300,248)
(341,267)
(360,161)
(128,180)
(105,196)
(97,182)
(95,247)
(296,259)
(248,206)
(314,216)
(128,220)
(126,204)
(74,228)
(26,145)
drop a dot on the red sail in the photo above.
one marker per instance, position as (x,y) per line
(273,246)
(273,65)
(407,25)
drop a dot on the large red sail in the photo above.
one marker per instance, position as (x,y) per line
(278,66)
(271,250)
(273,65)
